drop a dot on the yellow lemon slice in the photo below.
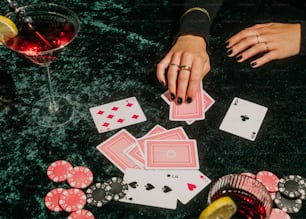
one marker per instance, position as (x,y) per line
(222,208)
(8,28)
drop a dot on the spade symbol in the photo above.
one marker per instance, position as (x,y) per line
(149,186)
(133,184)
(166,189)
(244,118)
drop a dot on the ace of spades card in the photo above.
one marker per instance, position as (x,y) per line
(243,118)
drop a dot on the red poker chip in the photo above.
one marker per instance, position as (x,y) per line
(277,213)
(79,177)
(268,179)
(52,199)
(57,171)
(72,200)
(81,214)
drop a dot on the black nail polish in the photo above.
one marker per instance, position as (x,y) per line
(172,96)
(226,43)
(253,64)
(229,52)
(189,99)
(161,83)
(239,57)
(179,100)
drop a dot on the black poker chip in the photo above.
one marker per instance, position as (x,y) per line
(292,186)
(117,188)
(98,195)
(287,204)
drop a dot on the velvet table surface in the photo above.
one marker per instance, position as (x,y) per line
(114,57)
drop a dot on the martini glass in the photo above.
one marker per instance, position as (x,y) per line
(46,31)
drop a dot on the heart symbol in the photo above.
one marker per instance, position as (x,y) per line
(191,187)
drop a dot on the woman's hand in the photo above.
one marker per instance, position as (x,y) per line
(187,63)
(273,40)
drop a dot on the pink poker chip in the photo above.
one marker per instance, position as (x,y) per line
(72,200)
(79,177)
(277,213)
(57,171)
(81,214)
(52,199)
(268,179)
(248,174)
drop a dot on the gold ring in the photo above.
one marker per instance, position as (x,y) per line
(173,64)
(267,47)
(185,67)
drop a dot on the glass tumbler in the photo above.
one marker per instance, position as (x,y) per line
(251,197)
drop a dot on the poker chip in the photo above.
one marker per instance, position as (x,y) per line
(248,174)
(52,199)
(57,171)
(279,214)
(81,214)
(72,200)
(79,177)
(286,204)
(97,195)
(268,179)
(117,188)
(292,186)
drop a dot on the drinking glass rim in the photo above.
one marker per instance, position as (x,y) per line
(45,52)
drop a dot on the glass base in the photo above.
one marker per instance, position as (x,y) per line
(51,116)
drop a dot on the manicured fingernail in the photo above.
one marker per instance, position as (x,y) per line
(161,83)
(226,43)
(172,96)
(189,99)
(179,100)
(253,64)
(229,52)
(239,57)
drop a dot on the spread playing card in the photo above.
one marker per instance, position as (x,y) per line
(188,111)
(114,148)
(243,118)
(117,114)
(146,189)
(171,154)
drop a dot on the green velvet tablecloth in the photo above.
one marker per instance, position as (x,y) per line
(114,57)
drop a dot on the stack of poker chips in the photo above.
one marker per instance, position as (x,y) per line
(74,199)
(287,192)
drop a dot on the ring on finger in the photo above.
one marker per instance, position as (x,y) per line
(185,67)
(173,64)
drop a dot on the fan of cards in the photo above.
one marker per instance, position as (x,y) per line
(160,168)
(189,112)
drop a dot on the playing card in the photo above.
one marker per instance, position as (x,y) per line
(177,133)
(188,111)
(135,155)
(187,183)
(133,151)
(171,154)
(208,102)
(146,189)
(114,147)
(117,114)
(155,130)
(243,118)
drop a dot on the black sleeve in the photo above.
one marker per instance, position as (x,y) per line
(196,22)
(303,38)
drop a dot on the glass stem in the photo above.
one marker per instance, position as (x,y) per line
(53,107)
